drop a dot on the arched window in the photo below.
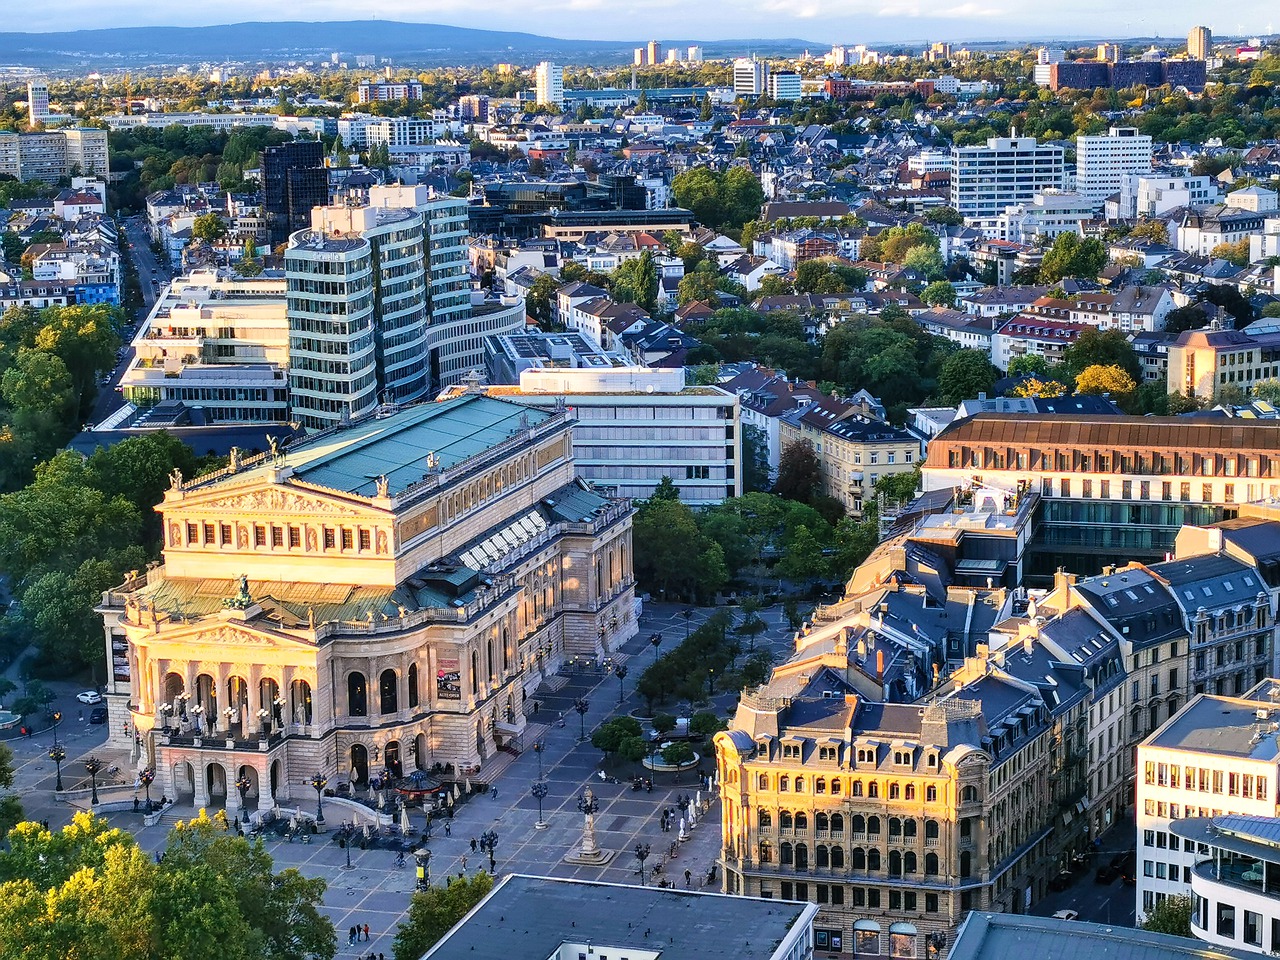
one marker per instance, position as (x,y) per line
(785,858)
(837,857)
(802,821)
(764,819)
(837,823)
(895,827)
(413,685)
(357,696)
(766,852)
(969,795)
(873,860)
(873,789)
(873,825)
(835,786)
(931,794)
(902,941)
(822,857)
(931,829)
(802,856)
(895,863)
(895,792)
(859,823)
(387,691)
(799,784)
(855,789)
(762,782)
(822,821)
(908,862)
(909,829)
(784,820)
(866,938)
(966,864)
(909,791)
(931,864)
(784,784)
(858,859)
(820,785)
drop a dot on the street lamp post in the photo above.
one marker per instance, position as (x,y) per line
(687,613)
(582,706)
(538,747)
(642,854)
(539,791)
(243,783)
(58,753)
(147,777)
(711,682)
(656,640)
(488,842)
(165,711)
(423,857)
(57,719)
(620,672)
(318,782)
(93,765)
(264,719)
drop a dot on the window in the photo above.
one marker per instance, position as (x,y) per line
(866,937)
(902,940)
(1253,928)
(1226,921)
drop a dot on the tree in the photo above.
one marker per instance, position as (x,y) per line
(140,470)
(799,473)
(10,803)
(1172,915)
(1154,230)
(1102,348)
(208,227)
(927,261)
(899,487)
(751,625)
(433,913)
(896,242)
(691,253)
(89,890)
(1190,317)
(725,200)
(948,216)
(810,274)
(671,554)
(755,458)
(704,723)
(1035,387)
(964,375)
(1031,363)
(940,293)
(636,281)
(701,284)
(802,560)
(1236,253)
(1111,379)
(1268,390)
(1072,256)
(677,754)
(541,299)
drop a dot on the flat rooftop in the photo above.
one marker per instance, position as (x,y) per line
(998,936)
(530,918)
(1225,726)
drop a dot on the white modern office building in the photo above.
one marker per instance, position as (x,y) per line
(549,84)
(1235,882)
(1215,756)
(1104,160)
(636,425)
(1046,215)
(37,101)
(1008,170)
(1152,196)
(750,77)
(784,85)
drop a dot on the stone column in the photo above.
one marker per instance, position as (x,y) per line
(201,783)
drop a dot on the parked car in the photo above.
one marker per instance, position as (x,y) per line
(98,715)
(1128,869)
(89,697)
(1062,881)
(1107,873)
(1067,915)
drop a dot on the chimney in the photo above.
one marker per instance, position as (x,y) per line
(879,664)
(1027,644)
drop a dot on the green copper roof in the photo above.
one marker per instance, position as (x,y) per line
(397,446)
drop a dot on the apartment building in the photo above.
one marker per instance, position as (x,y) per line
(54,154)
(750,77)
(37,101)
(1149,196)
(1200,43)
(854,450)
(372,91)
(549,84)
(1047,215)
(1007,170)
(1103,161)
(1112,486)
(784,85)
(1217,755)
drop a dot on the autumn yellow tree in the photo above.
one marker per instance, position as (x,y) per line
(1039,388)
(1111,379)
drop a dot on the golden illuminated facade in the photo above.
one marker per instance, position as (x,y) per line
(896,819)
(382,595)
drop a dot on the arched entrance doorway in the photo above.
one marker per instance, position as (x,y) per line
(184,782)
(251,796)
(392,757)
(359,764)
(275,778)
(216,782)
(420,754)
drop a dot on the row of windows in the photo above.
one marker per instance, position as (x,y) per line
(228,535)
(1205,780)
(898,827)
(899,863)
(1066,461)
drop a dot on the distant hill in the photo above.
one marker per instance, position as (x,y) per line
(425,44)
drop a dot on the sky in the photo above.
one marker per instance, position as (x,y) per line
(821,21)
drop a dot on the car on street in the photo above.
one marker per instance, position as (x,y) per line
(1062,881)
(1107,873)
(89,697)
(98,715)
(1067,915)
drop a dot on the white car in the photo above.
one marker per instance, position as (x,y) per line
(1066,915)
(90,697)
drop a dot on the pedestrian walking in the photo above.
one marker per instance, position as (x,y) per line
(366,927)
(448,829)
(474,844)
(494,791)
(464,861)
(688,875)
(351,936)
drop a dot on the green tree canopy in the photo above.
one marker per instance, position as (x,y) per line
(721,200)
(541,300)
(1102,348)
(1073,256)
(1172,915)
(940,293)
(964,375)
(208,227)
(433,913)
